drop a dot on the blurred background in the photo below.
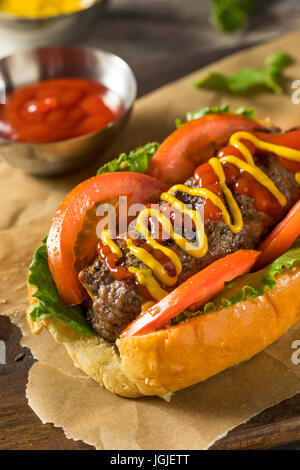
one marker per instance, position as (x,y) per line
(160,39)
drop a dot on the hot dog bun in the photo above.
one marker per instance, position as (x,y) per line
(171,359)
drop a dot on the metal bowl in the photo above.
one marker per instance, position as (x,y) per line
(18,31)
(31,66)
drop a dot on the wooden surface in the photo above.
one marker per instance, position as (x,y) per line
(162,40)
(21,429)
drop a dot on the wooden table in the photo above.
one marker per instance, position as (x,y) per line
(162,41)
(20,428)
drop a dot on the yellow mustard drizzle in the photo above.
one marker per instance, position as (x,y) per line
(201,249)
(150,261)
(279,150)
(237,226)
(233,217)
(147,305)
(258,174)
(145,278)
(106,240)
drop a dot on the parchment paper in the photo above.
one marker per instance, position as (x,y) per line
(60,393)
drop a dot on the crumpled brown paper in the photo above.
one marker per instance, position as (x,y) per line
(60,393)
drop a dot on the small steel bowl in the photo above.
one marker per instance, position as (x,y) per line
(31,66)
(18,31)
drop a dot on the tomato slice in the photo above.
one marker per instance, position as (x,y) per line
(197,290)
(289,139)
(69,228)
(280,239)
(195,142)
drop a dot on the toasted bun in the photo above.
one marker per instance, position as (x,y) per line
(167,360)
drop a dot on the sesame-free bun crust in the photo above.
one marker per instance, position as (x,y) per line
(167,360)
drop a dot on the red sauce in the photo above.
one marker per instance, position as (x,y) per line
(159,255)
(177,219)
(207,178)
(143,291)
(240,181)
(59,109)
(120,273)
(245,184)
(111,259)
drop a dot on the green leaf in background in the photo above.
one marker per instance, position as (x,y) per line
(49,303)
(277,61)
(247,112)
(207,110)
(229,15)
(249,286)
(244,80)
(137,160)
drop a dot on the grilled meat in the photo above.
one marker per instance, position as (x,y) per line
(115,303)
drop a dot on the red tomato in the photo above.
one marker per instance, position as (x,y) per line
(287,139)
(281,238)
(198,289)
(195,142)
(68,223)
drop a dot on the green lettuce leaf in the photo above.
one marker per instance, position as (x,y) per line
(244,80)
(248,286)
(225,108)
(49,303)
(229,15)
(137,160)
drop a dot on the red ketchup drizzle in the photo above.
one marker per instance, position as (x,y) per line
(207,178)
(111,259)
(159,255)
(120,273)
(240,181)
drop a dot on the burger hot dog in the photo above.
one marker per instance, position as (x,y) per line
(162,277)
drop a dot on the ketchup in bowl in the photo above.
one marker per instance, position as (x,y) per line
(58,109)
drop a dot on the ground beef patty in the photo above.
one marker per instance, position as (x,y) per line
(115,304)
